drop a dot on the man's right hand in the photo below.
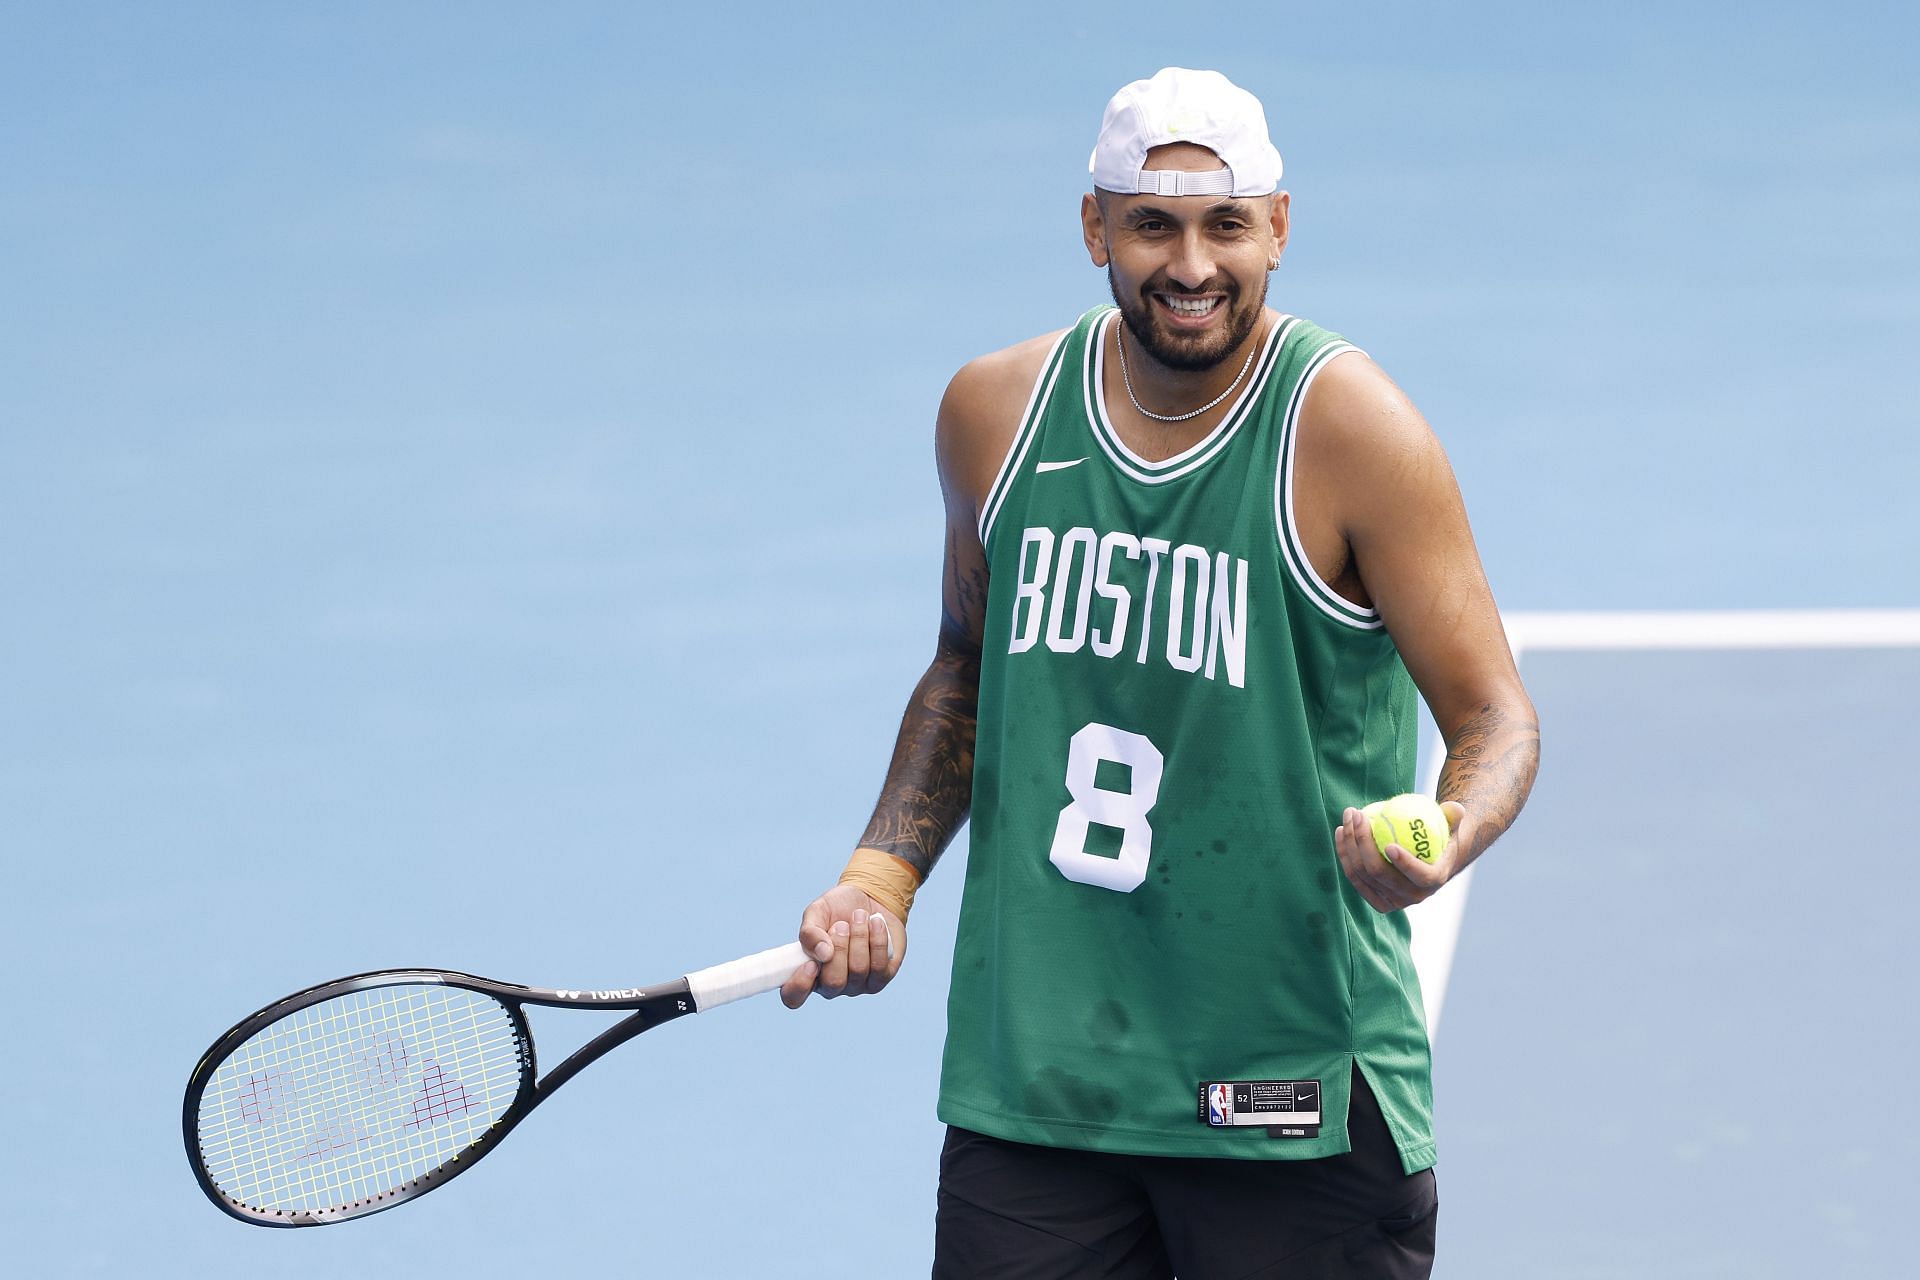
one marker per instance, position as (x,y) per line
(854,946)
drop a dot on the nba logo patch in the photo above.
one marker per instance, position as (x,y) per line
(1220,1104)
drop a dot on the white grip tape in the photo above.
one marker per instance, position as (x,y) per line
(747,976)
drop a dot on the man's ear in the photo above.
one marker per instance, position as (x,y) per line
(1093,228)
(1281,209)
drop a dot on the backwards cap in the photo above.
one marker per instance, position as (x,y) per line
(1178,105)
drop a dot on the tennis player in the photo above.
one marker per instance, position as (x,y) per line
(1200,556)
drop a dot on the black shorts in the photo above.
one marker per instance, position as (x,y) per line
(1010,1211)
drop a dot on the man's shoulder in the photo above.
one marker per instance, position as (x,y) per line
(1361,438)
(981,411)
(1352,403)
(989,382)
(985,400)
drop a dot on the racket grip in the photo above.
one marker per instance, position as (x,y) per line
(747,976)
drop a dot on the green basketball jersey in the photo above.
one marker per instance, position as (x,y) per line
(1158,952)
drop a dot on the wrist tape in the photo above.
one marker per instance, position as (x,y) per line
(888,880)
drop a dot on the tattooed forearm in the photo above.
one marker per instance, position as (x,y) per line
(929,786)
(1492,757)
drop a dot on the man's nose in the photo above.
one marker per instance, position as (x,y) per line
(1193,264)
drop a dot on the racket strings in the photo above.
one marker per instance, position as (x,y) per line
(355,1097)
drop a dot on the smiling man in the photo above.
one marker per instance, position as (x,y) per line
(1200,556)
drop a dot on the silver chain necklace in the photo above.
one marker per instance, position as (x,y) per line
(1120,343)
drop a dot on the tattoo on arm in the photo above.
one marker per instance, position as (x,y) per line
(929,787)
(1491,762)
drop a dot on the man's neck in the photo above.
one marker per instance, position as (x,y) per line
(1139,411)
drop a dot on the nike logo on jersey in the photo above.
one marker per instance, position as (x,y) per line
(1184,605)
(1044,467)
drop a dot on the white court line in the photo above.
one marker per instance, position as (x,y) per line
(1436,922)
(1719,629)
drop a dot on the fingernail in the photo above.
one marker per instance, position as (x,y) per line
(859,916)
(823,953)
(840,929)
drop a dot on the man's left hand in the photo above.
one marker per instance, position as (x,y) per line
(1398,880)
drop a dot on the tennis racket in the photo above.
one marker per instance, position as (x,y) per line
(363,1093)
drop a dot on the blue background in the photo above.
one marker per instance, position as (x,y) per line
(467,500)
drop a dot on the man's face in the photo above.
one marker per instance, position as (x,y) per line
(1189,273)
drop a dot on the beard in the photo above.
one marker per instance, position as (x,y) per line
(1188,352)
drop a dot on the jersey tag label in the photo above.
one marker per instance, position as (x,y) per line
(1284,1108)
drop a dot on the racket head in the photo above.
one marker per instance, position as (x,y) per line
(357,1095)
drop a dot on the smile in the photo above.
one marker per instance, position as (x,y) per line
(1187,308)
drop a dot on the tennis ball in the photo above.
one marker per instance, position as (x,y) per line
(1414,822)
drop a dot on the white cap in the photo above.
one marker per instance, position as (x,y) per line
(1178,105)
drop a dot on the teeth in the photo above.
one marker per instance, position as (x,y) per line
(1190,306)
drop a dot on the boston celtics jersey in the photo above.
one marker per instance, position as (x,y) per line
(1158,952)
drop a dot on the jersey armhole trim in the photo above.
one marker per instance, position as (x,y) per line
(1292,549)
(1022,440)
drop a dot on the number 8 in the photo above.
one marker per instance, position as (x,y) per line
(1126,810)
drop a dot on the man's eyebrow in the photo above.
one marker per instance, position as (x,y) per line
(1223,209)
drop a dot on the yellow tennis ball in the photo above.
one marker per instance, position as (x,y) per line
(1414,822)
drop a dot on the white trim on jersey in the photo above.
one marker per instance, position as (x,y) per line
(1293,549)
(1023,438)
(1208,447)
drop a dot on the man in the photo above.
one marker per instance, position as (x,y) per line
(1199,555)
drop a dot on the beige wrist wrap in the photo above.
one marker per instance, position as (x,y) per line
(886,879)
